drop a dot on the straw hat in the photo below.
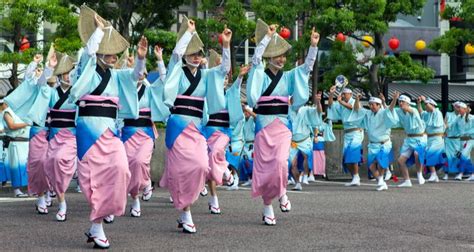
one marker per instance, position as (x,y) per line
(65,64)
(277,45)
(195,45)
(214,59)
(123,60)
(112,43)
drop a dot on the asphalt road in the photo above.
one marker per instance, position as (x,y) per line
(325,216)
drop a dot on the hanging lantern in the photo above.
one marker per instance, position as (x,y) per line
(285,33)
(366,41)
(340,37)
(394,43)
(25,44)
(469,49)
(420,45)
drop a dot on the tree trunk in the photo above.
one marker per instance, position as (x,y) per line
(374,68)
(16,48)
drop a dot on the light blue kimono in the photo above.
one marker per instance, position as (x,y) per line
(302,123)
(67,105)
(412,124)
(210,87)
(17,152)
(435,154)
(378,130)
(452,142)
(467,130)
(352,150)
(122,85)
(246,161)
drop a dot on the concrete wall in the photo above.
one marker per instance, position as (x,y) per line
(333,154)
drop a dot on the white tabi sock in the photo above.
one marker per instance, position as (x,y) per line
(63,206)
(186,217)
(41,201)
(379,180)
(356,176)
(214,201)
(283,199)
(136,204)
(268,211)
(236,179)
(227,174)
(97,230)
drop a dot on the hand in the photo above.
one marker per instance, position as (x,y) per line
(358,96)
(38,58)
(158,53)
(53,61)
(332,90)
(142,48)
(382,97)
(203,62)
(130,61)
(418,100)
(191,26)
(423,98)
(314,37)
(98,22)
(396,95)
(38,72)
(244,69)
(226,37)
(271,30)
(339,98)
(318,97)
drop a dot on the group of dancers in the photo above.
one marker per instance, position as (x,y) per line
(95,115)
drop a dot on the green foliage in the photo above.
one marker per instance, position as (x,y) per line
(165,39)
(340,60)
(404,67)
(457,35)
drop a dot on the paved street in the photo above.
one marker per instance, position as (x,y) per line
(325,216)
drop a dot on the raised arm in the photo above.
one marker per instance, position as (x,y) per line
(418,104)
(312,52)
(226,38)
(48,70)
(160,63)
(260,49)
(139,69)
(332,90)
(394,100)
(180,48)
(357,102)
(319,107)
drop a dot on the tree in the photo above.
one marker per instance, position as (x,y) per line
(20,17)
(354,17)
(131,18)
(461,30)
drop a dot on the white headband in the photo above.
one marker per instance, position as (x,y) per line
(346,91)
(404,98)
(462,105)
(430,101)
(2,101)
(375,100)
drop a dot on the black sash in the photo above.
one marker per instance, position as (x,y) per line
(62,97)
(96,109)
(194,80)
(141,92)
(275,79)
(219,120)
(187,103)
(140,122)
(105,75)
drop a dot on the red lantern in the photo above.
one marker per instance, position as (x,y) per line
(285,33)
(219,39)
(394,43)
(25,44)
(340,37)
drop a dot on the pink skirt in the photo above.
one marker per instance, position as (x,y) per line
(187,166)
(62,156)
(104,176)
(270,163)
(319,162)
(139,148)
(217,162)
(38,146)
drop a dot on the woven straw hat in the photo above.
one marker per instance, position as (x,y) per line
(277,45)
(65,64)
(123,60)
(112,43)
(195,45)
(214,59)
(52,79)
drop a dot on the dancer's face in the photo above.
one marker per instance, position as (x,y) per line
(110,59)
(346,96)
(374,107)
(429,107)
(279,61)
(194,58)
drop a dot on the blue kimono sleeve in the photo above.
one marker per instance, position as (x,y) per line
(171,86)
(358,117)
(128,95)
(328,132)
(23,95)
(215,98)
(40,107)
(255,81)
(391,118)
(298,88)
(159,111)
(334,112)
(314,117)
(236,114)
(84,84)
